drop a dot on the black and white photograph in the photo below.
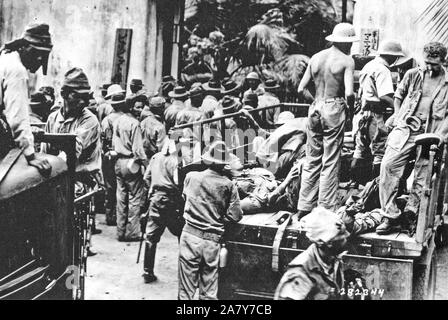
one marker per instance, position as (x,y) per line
(245,151)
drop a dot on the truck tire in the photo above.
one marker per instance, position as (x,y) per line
(424,287)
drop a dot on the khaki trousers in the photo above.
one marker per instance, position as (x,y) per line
(401,148)
(130,196)
(198,267)
(325,136)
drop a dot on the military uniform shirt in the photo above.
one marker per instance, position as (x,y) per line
(127,139)
(154,134)
(210,200)
(14,97)
(375,80)
(87,130)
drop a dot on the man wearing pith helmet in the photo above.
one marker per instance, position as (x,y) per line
(376,95)
(30,52)
(332,71)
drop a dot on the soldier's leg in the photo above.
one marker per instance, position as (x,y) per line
(393,165)
(154,232)
(208,279)
(334,116)
(190,248)
(362,156)
(110,182)
(312,168)
(136,198)
(122,192)
(379,139)
(413,205)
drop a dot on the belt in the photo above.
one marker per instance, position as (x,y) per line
(330,100)
(165,190)
(202,234)
(121,156)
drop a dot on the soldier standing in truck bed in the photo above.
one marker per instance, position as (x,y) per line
(332,71)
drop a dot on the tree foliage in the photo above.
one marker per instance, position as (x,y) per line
(435,19)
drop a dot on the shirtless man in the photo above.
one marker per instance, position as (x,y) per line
(332,72)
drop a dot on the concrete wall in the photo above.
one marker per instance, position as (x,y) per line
(84,35)
(395,19)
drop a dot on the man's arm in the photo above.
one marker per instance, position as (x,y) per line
(294,285)
(401,92)
(86,134)
(234,212)
(348,84)
(137,144)
(15,100)
(16,110)
(385,87)
(307,77)
(147,175)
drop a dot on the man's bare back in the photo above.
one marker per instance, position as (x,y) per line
(332,72)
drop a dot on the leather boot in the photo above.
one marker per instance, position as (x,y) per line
(387,226)
(148,262)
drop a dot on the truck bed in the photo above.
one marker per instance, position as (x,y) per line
(368,244)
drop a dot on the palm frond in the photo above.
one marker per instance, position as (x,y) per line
(261,44)
(290,69)
(435,20)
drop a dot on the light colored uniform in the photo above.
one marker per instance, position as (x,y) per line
(375,81)
(266,100)
(401,147)
(108,166)
(209,105)
(128,144)
(165,197)
(14,96)
(325,136)
(154,134)
(171,113)
(210,200)
(87,130)
(104,109)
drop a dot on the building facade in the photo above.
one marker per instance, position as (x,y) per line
(85,35)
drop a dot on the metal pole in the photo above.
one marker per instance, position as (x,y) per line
(344,10)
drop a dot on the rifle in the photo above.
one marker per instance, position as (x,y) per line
(142,235)
(143,224)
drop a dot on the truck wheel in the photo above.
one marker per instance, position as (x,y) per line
(424,287)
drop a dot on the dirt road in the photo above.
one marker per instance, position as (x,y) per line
(114,275)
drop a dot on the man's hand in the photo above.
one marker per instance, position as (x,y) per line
(246,114)
(293,173)
(390,123)
(41,164)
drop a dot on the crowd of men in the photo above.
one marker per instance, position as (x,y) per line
(132,144)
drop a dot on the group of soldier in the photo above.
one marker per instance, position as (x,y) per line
(419,106)
(125,142)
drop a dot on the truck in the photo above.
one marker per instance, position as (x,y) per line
(392,267)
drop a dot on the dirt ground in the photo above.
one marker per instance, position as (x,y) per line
(114,275)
